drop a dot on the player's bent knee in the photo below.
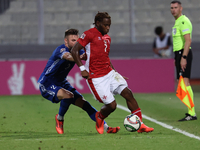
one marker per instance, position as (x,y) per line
(64,94)
(68,95)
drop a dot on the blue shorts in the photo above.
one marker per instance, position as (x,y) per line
(49,91)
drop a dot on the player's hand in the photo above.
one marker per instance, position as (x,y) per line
(83,57)
(183,64)
(85,74)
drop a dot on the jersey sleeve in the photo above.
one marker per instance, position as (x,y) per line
(185,28)
(85,38)
(60,51)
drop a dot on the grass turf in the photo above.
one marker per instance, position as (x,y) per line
(27,122)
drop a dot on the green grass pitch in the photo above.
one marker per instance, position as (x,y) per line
(27,123)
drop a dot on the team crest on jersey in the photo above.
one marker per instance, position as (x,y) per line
(83,36)
(174,31)
(62,49)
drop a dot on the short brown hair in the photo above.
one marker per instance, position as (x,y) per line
(173,2)
(100,16)
(71,32)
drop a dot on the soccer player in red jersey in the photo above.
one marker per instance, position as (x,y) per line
(103,80)
(54,86)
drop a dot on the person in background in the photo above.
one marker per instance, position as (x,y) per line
(54,86)
(103,80)
(162,45)
(182,34)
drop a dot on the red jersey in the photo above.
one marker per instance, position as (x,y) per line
(97,48)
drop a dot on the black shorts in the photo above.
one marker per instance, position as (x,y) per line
(187,72)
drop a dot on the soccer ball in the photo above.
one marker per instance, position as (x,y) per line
(132,123)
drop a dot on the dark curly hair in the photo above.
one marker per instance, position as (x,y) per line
(100,16)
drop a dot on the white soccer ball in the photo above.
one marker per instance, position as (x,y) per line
(132,123)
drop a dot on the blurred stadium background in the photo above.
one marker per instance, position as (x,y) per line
(31,29)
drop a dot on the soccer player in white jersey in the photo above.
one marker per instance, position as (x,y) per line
(55,87)
(103,80)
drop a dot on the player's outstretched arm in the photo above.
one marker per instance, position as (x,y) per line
(68,56)
(75,53)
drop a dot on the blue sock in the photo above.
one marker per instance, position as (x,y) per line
(64,105)
(91,111)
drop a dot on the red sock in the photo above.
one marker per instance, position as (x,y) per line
(102,117)
(138,113)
